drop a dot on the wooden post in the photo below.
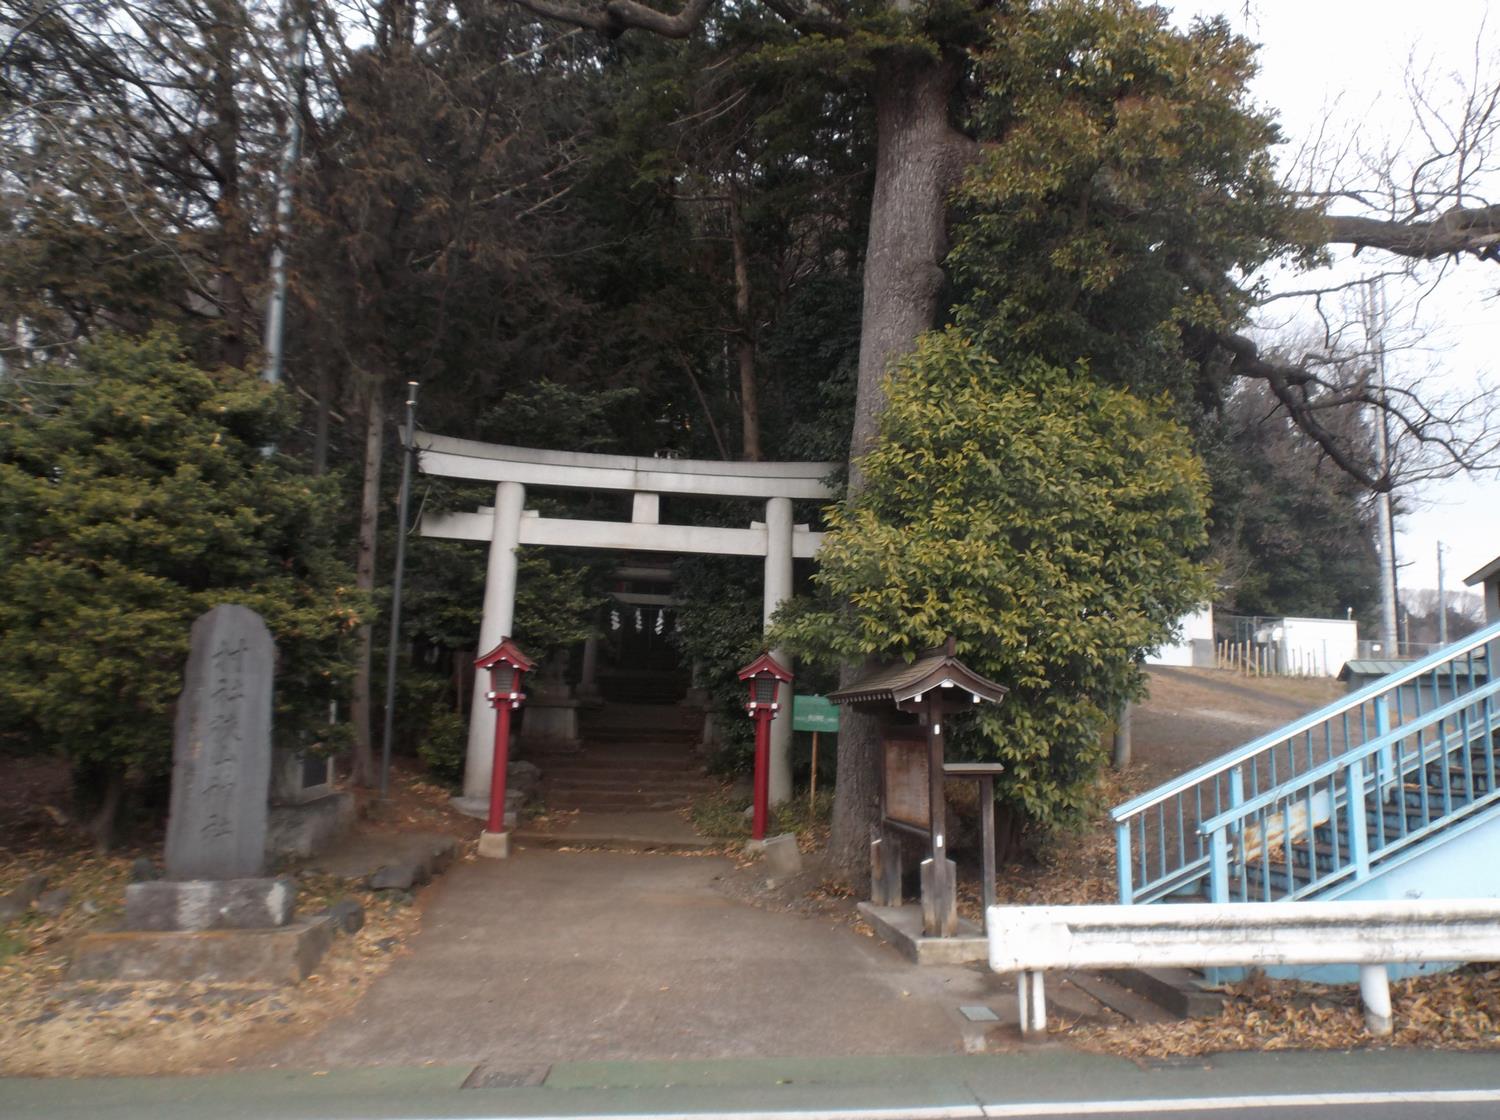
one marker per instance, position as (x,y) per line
(939,899)
(812,784)
(885,868)
(939,889)
(987,838)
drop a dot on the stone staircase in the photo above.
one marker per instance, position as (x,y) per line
(635,758)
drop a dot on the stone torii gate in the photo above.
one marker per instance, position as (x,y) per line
(508,525)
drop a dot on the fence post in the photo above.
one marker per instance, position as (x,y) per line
(1218,866)
(1354,811)
(1123,863)
(1375,995)
(1386,763)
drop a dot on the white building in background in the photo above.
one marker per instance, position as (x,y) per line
(1311,647)
(1194,645)
(1489,577)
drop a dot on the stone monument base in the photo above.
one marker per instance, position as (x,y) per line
(194,905)
(308,827)
(287,955)
(494,845)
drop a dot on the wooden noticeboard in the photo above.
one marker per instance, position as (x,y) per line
(907,782)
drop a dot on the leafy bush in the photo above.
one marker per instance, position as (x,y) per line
(1045,521)
(443,746)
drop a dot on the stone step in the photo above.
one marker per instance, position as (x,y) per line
(613,736)
(1178,992)
(623,763)
(1104,989)
(629,784)
(615,799)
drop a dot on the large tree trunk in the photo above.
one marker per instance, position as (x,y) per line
(233,235)
(917,163)
(362,769)
(744,341)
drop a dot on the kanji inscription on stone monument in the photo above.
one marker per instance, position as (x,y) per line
(221,760)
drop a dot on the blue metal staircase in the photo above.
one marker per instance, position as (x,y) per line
(1339,800)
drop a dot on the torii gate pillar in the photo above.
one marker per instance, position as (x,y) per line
(496,623)
(778,589)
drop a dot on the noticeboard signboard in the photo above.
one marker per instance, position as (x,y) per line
(814,713)
(908,790)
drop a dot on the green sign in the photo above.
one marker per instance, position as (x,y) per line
(814,713)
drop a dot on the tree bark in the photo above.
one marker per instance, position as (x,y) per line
(362,768)
(918,160)
(1471,230)
(321,414)
(222,38)
(744,337)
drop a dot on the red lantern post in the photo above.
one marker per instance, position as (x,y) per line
(764,675)
(507,665)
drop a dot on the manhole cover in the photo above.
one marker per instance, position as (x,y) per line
(486,1076)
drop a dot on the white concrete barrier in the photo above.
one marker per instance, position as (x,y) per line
(1029,940)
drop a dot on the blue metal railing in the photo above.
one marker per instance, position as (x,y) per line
(1393,728)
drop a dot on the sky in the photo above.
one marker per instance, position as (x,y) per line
(1339,67)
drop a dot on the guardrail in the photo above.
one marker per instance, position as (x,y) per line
(1160,846)
(1030,940)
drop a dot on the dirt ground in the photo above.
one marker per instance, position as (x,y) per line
(1195,715)
(50,1025)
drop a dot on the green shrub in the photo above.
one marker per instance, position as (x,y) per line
(1048,523)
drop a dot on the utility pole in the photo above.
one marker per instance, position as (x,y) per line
(1375,312)
(1442,601)
(291,152)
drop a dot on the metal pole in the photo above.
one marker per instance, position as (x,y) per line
(396,580)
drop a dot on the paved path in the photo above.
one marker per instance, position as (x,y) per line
(556,956)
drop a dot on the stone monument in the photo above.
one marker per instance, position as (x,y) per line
(221,751)
(215,917)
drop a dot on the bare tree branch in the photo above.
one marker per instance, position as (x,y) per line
(1462,230)
(615,17)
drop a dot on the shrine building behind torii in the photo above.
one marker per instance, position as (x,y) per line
(508,525)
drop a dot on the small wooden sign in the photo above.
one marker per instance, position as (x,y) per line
(908,798)
(814,713)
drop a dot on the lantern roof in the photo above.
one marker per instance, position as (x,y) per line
(763,664)
(509,653)
(904,684)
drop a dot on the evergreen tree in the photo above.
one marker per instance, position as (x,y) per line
(142,498)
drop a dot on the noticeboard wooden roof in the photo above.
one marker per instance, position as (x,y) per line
(905,684)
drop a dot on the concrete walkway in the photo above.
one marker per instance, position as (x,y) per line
(566,956)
